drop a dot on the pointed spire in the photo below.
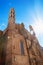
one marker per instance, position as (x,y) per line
(11,16)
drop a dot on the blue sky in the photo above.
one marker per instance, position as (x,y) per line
(26,11)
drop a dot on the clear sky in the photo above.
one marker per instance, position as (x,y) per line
(26,11)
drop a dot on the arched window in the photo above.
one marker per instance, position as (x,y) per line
(21,48)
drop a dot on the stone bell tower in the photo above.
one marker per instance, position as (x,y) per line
(12,16)
(11,19)
(9,37)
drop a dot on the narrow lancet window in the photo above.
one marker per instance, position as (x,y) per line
(21,48)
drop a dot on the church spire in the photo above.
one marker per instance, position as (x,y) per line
(11,16)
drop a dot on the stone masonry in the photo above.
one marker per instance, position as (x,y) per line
(21,47)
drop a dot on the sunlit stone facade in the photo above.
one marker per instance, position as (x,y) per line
(21,47)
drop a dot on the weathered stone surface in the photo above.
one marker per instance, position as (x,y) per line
(21,47)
